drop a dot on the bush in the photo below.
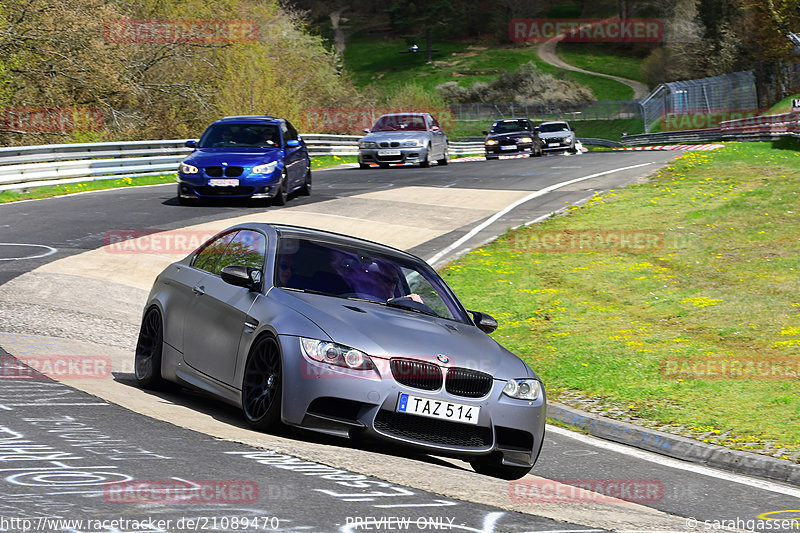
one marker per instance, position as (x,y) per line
(525,85)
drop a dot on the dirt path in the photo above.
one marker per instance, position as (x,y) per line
(547,52)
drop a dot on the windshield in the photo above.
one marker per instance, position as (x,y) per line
(400,123)
(555,126)
(346,272)
(241,136)
(508,126)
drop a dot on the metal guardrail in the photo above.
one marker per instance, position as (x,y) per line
(780,123)
(673,137)
(52,164)
(760,128)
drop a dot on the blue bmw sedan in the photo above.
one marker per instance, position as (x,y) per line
(246,157)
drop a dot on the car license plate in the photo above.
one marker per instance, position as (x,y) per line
(223,182)
(438,409)
(509,147)
(388,152)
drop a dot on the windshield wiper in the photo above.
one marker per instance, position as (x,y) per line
(411,306)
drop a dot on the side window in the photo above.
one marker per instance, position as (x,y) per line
(248,248)
(291,133)
(209,256)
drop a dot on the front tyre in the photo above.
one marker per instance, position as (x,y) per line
(491,465)
(282,194)
(147,359)
(427,162)
(262,384)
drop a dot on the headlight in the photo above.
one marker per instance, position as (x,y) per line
(336,354)
(188,169)
(367,144)
(522,389)
(412,144)
(269,168)
(491,142)
(525,140)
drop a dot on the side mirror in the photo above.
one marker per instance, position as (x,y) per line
(242,276)
(292,144)
(365,130)
(191,144)
(485,132)
(484,322)
(536,129)
(435,128)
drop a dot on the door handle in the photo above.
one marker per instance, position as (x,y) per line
(199,290)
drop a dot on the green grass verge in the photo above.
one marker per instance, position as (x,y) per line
(603,58)
(71,188)
(605,324)
(377,61)
(325,161)
(784,106)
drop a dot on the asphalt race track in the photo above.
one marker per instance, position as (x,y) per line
(63,295)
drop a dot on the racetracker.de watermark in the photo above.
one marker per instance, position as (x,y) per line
(181,242)
(588,240)
(50,119)
(586,30)
(180,491)
(713,367)
(172,31)
(41,367)
(698,119)
(586,490)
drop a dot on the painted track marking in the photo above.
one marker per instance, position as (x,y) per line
(474,231)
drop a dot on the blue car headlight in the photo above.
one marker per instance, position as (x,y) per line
(186,168)
(268,168)
(336,354)
(522,389)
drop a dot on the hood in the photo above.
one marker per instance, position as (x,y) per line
(399,136)
(552,134)
(215,157)
(511,135)
(386,332)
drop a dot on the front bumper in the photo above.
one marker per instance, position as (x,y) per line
(332,400)
(557,144)
(392,155)
(256,186)
(496,150)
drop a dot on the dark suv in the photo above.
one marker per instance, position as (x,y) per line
(246,157)
(512,136)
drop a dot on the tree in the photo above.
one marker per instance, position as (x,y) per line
(766,34)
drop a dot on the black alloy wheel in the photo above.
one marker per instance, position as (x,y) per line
(147,359)
(262,384)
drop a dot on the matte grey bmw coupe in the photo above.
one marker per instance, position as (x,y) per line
(343,336)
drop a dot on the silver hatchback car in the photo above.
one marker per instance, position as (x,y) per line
(399,138)
(345,337)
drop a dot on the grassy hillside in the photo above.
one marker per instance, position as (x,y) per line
(784,106)
(604,58)
(378,61)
